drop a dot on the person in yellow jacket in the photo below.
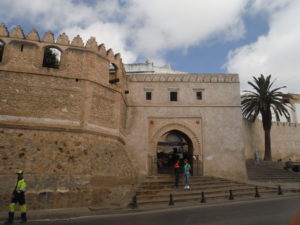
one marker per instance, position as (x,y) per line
(18,196)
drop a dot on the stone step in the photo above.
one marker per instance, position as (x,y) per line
(193,192)
(172,179)
(160,185)
(156,190)
(270,171)
(210,197)
(194,186)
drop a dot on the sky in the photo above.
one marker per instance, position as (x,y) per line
(248,37)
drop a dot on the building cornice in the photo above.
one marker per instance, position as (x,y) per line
(188,78)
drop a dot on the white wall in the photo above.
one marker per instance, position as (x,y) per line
(219,113)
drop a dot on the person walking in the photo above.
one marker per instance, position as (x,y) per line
(18,196)
(187,169)
(256,157)
(176,171)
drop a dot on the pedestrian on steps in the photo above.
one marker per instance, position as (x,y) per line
(187,169)
(18,196)
(176,172)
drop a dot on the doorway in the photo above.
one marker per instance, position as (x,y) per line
(172,146)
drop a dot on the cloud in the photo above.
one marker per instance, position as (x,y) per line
(110,34)
(136,28)
(159,26)
(97,19)
(276,53)
(55,14)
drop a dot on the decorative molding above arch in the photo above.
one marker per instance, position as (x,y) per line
(175,126)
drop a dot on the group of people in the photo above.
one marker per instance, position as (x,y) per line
(186,173)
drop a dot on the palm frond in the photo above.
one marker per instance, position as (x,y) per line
(264,98)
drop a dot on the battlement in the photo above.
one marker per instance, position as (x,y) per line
(75,59)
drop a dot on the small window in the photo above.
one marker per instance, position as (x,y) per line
(51,57)
(113,69)
(1,50)
(148,95)
(173,96)
(199,95)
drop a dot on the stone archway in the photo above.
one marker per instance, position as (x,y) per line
(186,139)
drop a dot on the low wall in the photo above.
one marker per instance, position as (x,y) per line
(285,140)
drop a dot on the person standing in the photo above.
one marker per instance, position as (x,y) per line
(256,157)
(176,171)
(187,169)
(18,196)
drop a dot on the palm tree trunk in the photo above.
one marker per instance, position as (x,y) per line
(268,155)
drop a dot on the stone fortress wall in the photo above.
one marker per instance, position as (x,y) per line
(83,140)
(285,136)
(65,127)
(213,122)
(285,140)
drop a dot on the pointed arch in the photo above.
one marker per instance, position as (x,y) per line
(176,126)
(52,57)
(194,150)
(2,44)
(113,73)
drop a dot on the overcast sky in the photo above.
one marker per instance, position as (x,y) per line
(249,37)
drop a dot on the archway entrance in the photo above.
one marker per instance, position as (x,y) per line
(172,146)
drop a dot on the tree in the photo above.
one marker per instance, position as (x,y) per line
(265,100)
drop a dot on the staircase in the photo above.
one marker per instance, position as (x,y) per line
(271,172)
(155,191)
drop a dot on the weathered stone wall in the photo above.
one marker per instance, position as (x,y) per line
(214,123)
(285,140)
(65,168)
(64,127)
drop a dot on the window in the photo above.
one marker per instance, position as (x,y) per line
(113,74)
(173,96)
(199,95)
(1,50)
(112,71)
(51,57)
(148,95)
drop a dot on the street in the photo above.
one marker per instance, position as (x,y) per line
(260,212)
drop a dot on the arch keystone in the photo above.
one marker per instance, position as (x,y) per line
(77,41)
(63,39)
(92,44)
(33,35)
(48,37)
(3,30)
(17,33)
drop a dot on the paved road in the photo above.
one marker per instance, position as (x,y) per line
(260,212)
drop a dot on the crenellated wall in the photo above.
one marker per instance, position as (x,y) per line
(78,61)
(84,132)
(64,126)
(285,140)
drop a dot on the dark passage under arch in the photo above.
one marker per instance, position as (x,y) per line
(172,146)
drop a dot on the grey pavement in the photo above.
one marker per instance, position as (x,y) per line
(275,211)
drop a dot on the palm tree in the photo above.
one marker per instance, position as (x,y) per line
(265,101)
